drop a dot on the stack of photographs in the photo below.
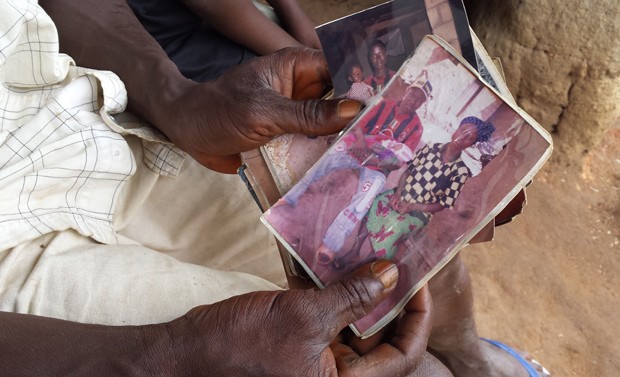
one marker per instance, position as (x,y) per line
(433,158)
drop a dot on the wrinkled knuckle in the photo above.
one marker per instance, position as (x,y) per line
(257,114)
(250,112)
(308,116)
(297,307)
(359,296)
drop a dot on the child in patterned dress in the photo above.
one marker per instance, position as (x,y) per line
(359,90)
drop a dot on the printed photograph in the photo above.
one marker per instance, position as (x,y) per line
(420,171)
(365,49)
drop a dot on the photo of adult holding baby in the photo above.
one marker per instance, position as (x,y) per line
(369,46)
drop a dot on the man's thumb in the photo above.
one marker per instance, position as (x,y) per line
(357,295)
(315,117)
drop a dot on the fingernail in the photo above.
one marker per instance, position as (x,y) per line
(348,108)
(386,271)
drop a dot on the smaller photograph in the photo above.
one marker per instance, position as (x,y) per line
(426,166)
(365,49)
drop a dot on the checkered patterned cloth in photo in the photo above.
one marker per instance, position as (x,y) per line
(63,159)
(361,92)
(430,180)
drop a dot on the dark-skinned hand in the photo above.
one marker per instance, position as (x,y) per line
(296,333)
(252,103)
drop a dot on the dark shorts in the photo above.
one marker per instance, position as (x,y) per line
(200,52)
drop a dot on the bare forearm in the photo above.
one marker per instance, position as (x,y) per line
(243,23)
(427,208)
(296,22)
(36,346)
(401,183)
(106,35)
(288,11)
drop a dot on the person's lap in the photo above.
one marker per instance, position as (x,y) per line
(66,275)
(199,217)
(180,239)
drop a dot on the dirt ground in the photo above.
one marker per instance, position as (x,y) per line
(547,283)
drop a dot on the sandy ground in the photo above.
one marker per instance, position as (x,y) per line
(547,283)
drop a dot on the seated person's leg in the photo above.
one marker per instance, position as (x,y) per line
(454,337)
(198,216)
(69,276)
(205,54)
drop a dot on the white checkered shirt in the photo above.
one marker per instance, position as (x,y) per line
(430,180)
(63,160)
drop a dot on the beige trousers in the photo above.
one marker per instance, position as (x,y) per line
(185,241)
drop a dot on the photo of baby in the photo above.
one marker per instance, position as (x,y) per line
(376,41)
(358,89)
